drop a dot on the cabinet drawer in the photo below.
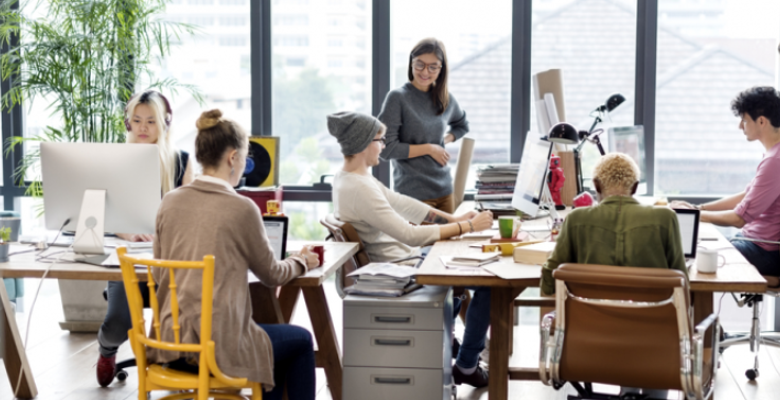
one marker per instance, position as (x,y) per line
(392,348)
(424,319)
(396,383)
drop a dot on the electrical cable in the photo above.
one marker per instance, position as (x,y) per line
(35,299)
(29,316)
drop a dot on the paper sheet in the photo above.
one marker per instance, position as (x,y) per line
(514,270)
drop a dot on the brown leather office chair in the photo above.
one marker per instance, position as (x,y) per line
(625,326)
(755,337)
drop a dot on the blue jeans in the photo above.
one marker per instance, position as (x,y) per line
(293,362)
(477,323)
(766,262)
(113,331)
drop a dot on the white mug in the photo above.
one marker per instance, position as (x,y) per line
(707,260)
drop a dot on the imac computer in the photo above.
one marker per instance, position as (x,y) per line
(531,185)
(100,187)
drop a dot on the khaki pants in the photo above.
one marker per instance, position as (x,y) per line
(444,203)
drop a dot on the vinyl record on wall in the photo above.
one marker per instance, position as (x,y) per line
(263,152)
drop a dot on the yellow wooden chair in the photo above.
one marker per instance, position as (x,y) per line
(155,376)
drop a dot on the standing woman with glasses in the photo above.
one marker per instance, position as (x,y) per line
(421,118)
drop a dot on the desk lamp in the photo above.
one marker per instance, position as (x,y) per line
(602,111)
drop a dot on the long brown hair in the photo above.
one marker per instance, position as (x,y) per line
(438,90)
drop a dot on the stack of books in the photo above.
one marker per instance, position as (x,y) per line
(495,187)
(383,280)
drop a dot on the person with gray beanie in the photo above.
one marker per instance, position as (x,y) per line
(382,217)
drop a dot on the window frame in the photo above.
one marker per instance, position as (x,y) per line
(261,88)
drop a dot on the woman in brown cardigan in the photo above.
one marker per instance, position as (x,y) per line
(209,217)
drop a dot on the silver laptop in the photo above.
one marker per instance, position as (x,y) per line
(689,233)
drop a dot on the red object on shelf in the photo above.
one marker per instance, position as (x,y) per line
(583,200)
(261,196)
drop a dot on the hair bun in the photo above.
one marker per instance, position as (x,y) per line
(208,119)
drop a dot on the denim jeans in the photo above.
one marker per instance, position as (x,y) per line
(113,331)
(477,323)
(766,262)
(293,362)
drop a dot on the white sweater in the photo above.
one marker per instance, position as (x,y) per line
(381,216)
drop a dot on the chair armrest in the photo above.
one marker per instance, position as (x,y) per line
(546,344)
(703,390)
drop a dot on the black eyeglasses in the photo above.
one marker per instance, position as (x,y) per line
(432,68)
(383,139)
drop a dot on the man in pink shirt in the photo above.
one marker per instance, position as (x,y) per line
(756,210)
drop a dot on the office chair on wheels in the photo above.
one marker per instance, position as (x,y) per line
(755,337)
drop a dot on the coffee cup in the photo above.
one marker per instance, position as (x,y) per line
(709,260)
(508,226)
(320,251)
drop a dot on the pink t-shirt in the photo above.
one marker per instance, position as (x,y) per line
(761,206)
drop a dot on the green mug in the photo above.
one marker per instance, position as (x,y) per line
(508,226)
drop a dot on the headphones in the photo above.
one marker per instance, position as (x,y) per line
(145,99)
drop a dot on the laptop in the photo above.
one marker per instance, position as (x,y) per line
(689,232)
(276,230)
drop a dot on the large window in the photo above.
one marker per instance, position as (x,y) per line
(707,54)
(215,60)
(321,65)
(594,44)
(478,39)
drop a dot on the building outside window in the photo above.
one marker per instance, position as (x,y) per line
(707,54)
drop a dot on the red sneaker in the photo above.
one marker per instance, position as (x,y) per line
(106,369)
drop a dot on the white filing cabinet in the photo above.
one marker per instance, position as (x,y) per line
(399,348)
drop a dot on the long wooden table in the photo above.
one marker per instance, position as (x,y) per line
(267,306)
(736,276)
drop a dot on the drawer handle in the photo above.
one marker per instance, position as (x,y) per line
(392,342)
(392,320)
(392,381)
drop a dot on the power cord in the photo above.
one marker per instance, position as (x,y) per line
(32,305)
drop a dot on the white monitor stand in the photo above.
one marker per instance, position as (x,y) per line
(88,244)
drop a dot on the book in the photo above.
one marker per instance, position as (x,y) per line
(472,260)
(534,254)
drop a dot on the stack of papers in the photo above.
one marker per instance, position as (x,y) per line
(383,280)
(470,260)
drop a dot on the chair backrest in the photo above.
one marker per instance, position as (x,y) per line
(344,232)
(621,325)
(138,338)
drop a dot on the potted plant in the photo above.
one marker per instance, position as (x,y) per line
(5,239)
(83,59)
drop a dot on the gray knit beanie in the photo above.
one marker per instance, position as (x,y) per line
(354,131)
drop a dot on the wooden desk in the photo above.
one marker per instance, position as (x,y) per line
(736,276)
(328,356)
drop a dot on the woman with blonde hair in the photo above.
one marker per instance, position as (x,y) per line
(148,118)
(209,217)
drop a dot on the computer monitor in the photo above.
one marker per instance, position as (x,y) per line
(689,230)
(532,177)
(276,231)
(629,140)
(100,186)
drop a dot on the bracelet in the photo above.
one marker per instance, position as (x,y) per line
(460,229)
(471,226)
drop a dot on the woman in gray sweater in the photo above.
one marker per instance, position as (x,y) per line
(417,115)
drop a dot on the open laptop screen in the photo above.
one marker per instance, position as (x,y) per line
(689,230)
(276,230)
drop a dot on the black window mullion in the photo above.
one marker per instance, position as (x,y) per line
(646,53)
(11,126)
(380,70)
(520,107)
